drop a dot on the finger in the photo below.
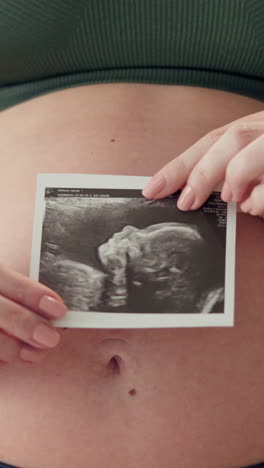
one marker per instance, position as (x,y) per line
(246,168)
(211,168)
(31,294)
(23,324)
(29,354)
(9,348)
(254,204)
(12,348)
(173,176)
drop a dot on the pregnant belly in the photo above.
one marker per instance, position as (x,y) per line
(129,398)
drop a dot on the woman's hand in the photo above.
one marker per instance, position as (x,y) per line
(26,308)
(233,154)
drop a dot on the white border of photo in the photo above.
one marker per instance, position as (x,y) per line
(76,319)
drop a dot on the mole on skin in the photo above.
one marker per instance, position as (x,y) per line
(132,392)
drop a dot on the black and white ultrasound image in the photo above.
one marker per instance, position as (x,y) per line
(115,251)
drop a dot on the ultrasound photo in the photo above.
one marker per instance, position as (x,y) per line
(110,250)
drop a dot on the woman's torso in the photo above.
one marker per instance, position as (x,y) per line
(185,398)
(47,46)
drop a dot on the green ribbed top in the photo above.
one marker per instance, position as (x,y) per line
(46,45)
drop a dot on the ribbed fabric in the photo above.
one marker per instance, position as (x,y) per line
(46,45)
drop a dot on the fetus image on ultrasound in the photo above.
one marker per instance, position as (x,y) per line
(131,255)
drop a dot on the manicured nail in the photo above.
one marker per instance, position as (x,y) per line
(226,193)
(31,356)
(156,184)
(237,197)
(46,336)
(186,199)
(246,206)
(52,307)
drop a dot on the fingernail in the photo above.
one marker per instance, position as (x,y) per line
(31,356)
(237,197)
(246,206)
(186,199)
(226,193)
(52,307)
(46,336)
(156,184)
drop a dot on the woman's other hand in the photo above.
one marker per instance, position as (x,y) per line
(26,309)
(233,154)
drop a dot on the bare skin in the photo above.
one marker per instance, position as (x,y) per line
(187,398)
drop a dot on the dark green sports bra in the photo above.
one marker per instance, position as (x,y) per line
(46,45)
